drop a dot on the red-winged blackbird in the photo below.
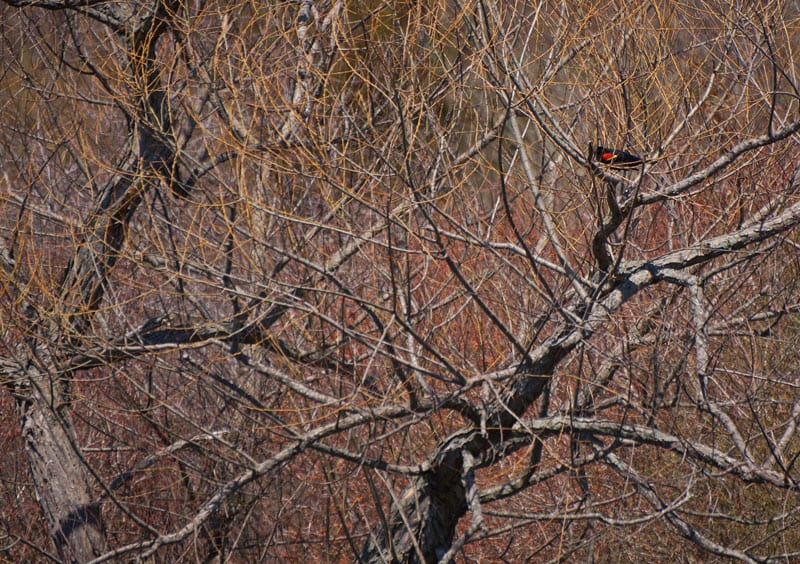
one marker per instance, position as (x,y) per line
(618,159)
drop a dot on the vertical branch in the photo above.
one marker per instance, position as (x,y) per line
(702,359)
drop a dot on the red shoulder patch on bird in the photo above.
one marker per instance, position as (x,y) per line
(617,158)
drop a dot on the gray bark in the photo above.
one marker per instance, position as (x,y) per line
(62,483)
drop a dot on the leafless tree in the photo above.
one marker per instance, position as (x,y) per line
(304,280)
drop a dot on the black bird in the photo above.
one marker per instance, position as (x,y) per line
(616,158)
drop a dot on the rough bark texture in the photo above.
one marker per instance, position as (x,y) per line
(62,483)
(422,526)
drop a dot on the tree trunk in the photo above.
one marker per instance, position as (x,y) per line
(423,527)
(62,483)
